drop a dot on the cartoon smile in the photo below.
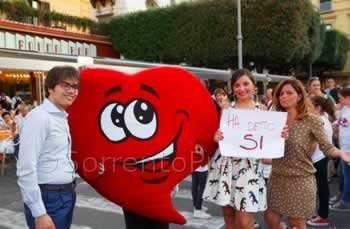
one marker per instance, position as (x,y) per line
(157,162)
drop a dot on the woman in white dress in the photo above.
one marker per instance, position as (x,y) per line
(237,184)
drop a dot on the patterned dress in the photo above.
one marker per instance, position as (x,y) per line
(236,182)
(292,185)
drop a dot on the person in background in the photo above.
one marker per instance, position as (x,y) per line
(46,174)
(23,111)
(343,204)
(314,88)
(269,102)
(330,85)
(199,178)
(8,123)
(5,101)
(220,96)
(292,184)
(16,100)
(2,122)
(323,108)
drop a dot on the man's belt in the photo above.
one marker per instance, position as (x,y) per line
(58,187)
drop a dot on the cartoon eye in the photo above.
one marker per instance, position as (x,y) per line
(140,119)
(112,122)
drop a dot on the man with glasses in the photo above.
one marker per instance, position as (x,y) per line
(45,171)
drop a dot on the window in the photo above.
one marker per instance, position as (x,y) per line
(325,5)
(45,6)
(35,4)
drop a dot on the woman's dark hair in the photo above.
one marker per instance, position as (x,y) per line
(326,105)
(236,75)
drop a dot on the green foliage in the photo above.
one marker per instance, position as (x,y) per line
(20,11)
(275,33)
(334,52)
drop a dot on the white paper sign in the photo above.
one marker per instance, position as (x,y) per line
(252,133)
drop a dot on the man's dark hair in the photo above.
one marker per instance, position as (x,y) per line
(58,74)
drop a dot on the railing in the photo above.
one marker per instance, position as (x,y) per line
(325,6)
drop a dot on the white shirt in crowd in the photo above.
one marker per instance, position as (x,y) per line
(44,154)
(318,154)
(8,99)
(19,121)
(14,100)
(344,128)
(2,123)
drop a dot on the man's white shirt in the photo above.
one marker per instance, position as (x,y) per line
(44,154)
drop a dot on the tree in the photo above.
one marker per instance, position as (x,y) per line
(334,52)
(277,34)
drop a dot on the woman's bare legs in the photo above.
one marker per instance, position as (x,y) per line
(296,223)
(244,220)
(229,217)
(273,219)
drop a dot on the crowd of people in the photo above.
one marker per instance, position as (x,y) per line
(12,113)
(317,121)
(317,126)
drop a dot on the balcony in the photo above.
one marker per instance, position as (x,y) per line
(104,11)
(325,7)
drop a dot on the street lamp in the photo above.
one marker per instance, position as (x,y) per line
(239,35)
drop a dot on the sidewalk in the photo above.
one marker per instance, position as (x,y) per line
(10,198)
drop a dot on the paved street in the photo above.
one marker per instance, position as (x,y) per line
(92,211)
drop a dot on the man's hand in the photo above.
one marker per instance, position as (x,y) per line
(44,222)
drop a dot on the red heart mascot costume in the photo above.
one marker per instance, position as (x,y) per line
(142,129)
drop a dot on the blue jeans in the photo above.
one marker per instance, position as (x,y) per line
(59,206)
(346,188)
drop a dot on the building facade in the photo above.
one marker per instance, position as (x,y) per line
(36,37)
(336,14)
(79,8)
(106,9)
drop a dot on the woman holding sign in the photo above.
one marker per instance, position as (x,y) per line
(292,185)
(237,184)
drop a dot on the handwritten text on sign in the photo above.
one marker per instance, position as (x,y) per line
(250,133)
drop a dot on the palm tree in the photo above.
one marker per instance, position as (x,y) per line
(152,4)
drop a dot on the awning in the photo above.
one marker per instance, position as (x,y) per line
(33,61)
